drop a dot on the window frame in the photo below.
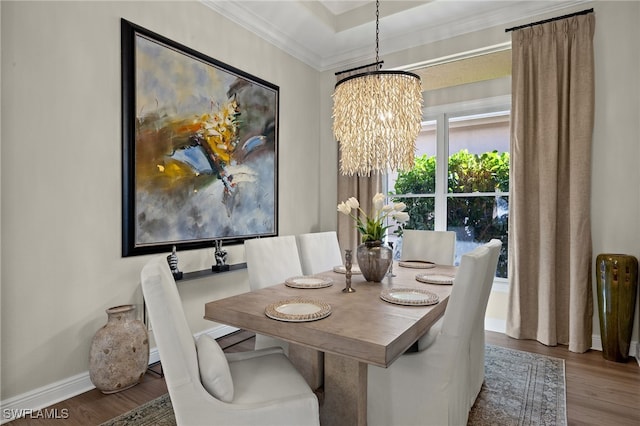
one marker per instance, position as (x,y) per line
(441,114)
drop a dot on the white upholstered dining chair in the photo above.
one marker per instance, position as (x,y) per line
(271,261)
(476,350)
(431,246)
(430,387)
(207,386)
(319,251)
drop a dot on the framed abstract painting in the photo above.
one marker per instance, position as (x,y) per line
(200,148)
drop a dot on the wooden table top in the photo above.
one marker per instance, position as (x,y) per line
(361,325)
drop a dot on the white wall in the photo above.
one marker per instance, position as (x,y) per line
(60,163)
(616,149)
(61,173)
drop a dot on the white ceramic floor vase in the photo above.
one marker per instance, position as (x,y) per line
(119,354)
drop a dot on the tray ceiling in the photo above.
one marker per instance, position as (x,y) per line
(330,34)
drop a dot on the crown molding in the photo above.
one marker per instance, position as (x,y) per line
(313,34)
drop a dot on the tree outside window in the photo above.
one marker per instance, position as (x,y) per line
(460,181)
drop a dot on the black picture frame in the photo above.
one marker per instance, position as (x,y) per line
(199,148)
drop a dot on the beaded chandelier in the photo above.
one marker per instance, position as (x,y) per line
(376,119)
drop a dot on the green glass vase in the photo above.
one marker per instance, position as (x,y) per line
(617,282)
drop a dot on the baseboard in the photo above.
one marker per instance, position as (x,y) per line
(45,396)
(596,343)
(500,326)
(494,324)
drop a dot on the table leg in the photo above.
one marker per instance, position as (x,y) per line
(309,362)
(345,392)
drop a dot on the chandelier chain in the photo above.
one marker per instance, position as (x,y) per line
(377,30)
(376,118)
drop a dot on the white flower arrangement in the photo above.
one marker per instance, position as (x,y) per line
(373,227)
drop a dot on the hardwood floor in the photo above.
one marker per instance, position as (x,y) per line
(599,392)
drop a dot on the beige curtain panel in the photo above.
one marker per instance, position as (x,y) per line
(363,188)
(550,297)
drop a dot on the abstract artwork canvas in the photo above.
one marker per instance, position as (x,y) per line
(200,148)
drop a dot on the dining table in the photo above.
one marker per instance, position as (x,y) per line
(333,347)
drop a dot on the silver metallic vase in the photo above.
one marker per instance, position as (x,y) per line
(374,259)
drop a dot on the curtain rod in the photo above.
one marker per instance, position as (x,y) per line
(359,68)
(582,12)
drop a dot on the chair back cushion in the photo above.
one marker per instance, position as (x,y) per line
(476,350)
(467,290)
(432,246)
(215,374)
(271,260)
(170,328)
(494,247)
(319,252)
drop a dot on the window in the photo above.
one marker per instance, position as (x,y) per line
(460,181)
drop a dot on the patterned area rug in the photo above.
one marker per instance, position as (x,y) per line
(158,412)
(520,388)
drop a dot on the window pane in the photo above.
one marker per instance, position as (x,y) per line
(421,212)
(479,153)
(421,216)
(422,178)
(476,220)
